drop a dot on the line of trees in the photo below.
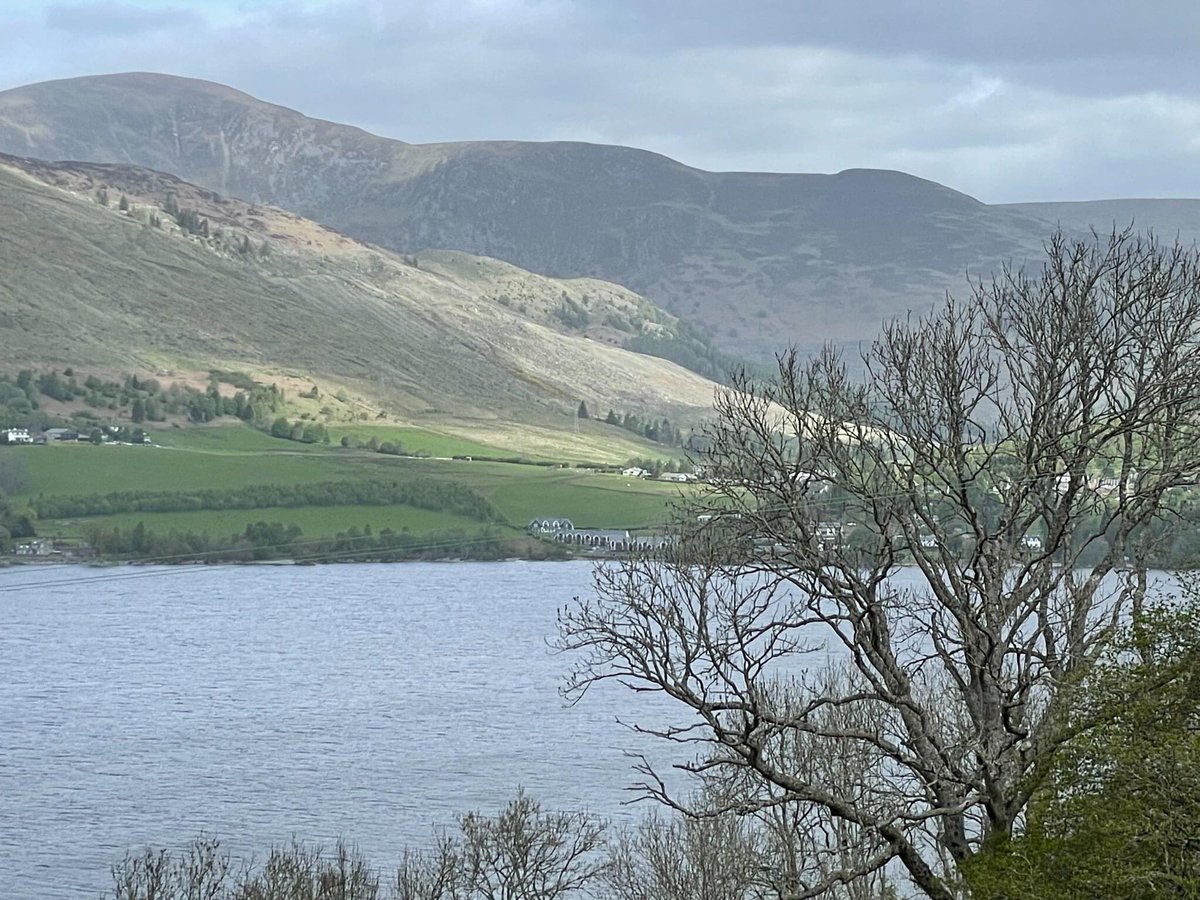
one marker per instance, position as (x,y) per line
(386,447)
(16,521)
(263,540)
(444,496)
(146,399)
(301,431)
(660,431)
(523,852)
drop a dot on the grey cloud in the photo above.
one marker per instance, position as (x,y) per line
(1022,34)
(117,19)
(778,86)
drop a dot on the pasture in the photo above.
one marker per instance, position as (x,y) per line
(233,456)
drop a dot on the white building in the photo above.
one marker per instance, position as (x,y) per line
(15,436)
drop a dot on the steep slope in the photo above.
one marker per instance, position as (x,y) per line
(97,273)
(761,259)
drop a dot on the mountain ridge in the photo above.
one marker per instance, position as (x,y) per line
(762,260)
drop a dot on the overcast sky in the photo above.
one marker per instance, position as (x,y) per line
(1006,100)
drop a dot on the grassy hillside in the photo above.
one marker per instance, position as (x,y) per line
(758,260)
(100,275)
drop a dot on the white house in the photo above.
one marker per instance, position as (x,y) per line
(36,547)
(15,436)
(550,525)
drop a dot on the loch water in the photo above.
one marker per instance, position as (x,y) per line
(146,706)
(256,704)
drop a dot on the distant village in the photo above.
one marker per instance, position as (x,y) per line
(562,530)
(101,434)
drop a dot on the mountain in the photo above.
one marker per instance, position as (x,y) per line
(1169,219)
(760,260)
(117,268)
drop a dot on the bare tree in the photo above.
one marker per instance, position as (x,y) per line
(704,858)
(298,872)
(522,853)
(435,874)
(1009,450)
(200,871)
(733,849)
(527,854)
(144,875)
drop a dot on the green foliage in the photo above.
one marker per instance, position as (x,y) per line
(661,431)
(572,314)
(14,475)
(146,399)
(316,522)
(237,379)
(15,521)
(444,496)
(1116,816)
(305,433)
(263,540)
(54,387)
(417,442)
(192,222)
(687,347)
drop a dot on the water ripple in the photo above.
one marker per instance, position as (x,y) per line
(369,701)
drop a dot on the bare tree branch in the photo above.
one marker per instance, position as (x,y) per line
(1010,450)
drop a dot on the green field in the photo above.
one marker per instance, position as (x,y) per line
(419,440)
(590,501)
(87,469)
(227,438)
(233,456)
(522,493)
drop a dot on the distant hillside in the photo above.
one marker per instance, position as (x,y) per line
(115,268)
(1169,219)
(760,260)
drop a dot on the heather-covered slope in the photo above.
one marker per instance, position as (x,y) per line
(98,274)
